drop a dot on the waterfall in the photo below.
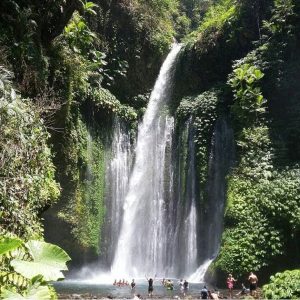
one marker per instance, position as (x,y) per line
(142,247)
(156,224)
(220,161)
(211,213)
(117,178)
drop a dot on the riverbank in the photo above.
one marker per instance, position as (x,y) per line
(82,290)
(145,297)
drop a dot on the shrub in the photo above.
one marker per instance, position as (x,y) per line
(27,182)
(285,285)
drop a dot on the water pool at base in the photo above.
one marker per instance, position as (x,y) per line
(100,290)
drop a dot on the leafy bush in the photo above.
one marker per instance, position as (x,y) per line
(225,11)
(27,182)
(284,285)
(247,93)
(106,101)
(154,17)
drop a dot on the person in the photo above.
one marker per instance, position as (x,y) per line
(244,291)
(137,297)
(150,287)
(115,282)
(163,282)
(214,295)
(204,293)
(253,283)
(181,285)
(230,282)
(170,285)
(132,284)
(120,283)
(185,287)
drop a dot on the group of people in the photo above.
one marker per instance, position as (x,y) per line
(167,283)
(121,283)
(208,294)
(253,280)
(205,293)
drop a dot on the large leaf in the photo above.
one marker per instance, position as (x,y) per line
(39,293)
(48,261)
(8,244)
(10,295)
(34,293)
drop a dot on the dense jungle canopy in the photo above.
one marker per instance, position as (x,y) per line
(69,68)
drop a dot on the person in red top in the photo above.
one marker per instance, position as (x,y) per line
(230,282)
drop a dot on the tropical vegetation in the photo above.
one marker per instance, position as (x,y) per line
(70,69)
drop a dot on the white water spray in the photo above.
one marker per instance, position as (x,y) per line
(143,242)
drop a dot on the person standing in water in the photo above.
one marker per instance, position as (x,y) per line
(132,284)
(181,284)
(230,282)
(185,287)
(150,287)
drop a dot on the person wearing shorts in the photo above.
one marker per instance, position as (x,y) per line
(253,283)
(150,286)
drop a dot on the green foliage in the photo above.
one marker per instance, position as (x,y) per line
(8,244)
(79,36)
(34,292)
(280,22)
(203,111)
(47,260)
(248,97)
(27,182)
(224,12)
(155,17)
(259,214)
(106,101)
(283,285)
(88,7)
(83,198)
(218,14)
(195,10)
(262,214)
(28,267)
(82,43)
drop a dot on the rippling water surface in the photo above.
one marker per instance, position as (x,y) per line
(108,290)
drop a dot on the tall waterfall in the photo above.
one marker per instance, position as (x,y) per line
(143,241)
(155,222)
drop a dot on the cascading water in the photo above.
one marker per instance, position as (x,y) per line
(211,214)
(156,224)
(117,178)
(143,241)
